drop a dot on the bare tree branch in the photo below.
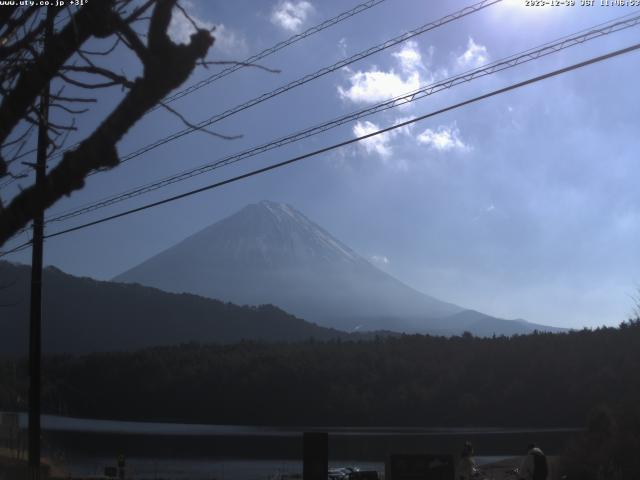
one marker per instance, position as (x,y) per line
(188,17)
(166,67)
(139,11)
(74,99)
(244,64)
(114,77)
(196,127)
(72,111)
(93,19)
(130,38)
(103,53)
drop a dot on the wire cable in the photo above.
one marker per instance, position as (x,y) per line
(19,248)
(494,67)
(233,68)
(313,76)
(271,50)
(252,173)
(303,80)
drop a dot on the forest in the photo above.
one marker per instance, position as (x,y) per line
(537,380)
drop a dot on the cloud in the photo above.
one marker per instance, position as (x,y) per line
(474,56)
(291,15)
(378,144)
(180,28)
(226,40)
(406,129)
(381,143)
(342,47)
(229,41)
(377,85)
(443,139)
(409,57)
(380,260)
(488,210)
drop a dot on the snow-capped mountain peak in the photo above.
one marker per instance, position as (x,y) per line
(270,252)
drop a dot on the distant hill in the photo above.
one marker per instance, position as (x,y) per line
(271,253)
(483,325)
(84,315)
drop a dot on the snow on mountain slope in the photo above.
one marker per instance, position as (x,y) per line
(271,253)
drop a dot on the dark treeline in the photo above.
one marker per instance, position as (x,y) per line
(413,380)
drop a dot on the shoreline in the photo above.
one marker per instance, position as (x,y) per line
(493,469)
(502,469)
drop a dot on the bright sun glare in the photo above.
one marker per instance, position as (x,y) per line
(528,10)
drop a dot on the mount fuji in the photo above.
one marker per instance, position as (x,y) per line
(270,253)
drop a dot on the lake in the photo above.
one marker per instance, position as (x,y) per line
(220,469)
(199,451)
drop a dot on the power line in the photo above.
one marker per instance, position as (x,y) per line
(233,68)
(19,248)
(313,76)
(339,145)
(353,140)
(271,50)
(306,79)
(500,65)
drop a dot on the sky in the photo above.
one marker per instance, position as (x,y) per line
(524,205)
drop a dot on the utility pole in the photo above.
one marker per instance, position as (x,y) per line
(35,334)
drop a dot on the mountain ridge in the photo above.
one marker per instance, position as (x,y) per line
(83,315)
(271,253)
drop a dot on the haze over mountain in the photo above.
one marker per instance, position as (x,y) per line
(270,253)
(82,315)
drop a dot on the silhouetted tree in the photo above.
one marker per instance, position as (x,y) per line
(25,69)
